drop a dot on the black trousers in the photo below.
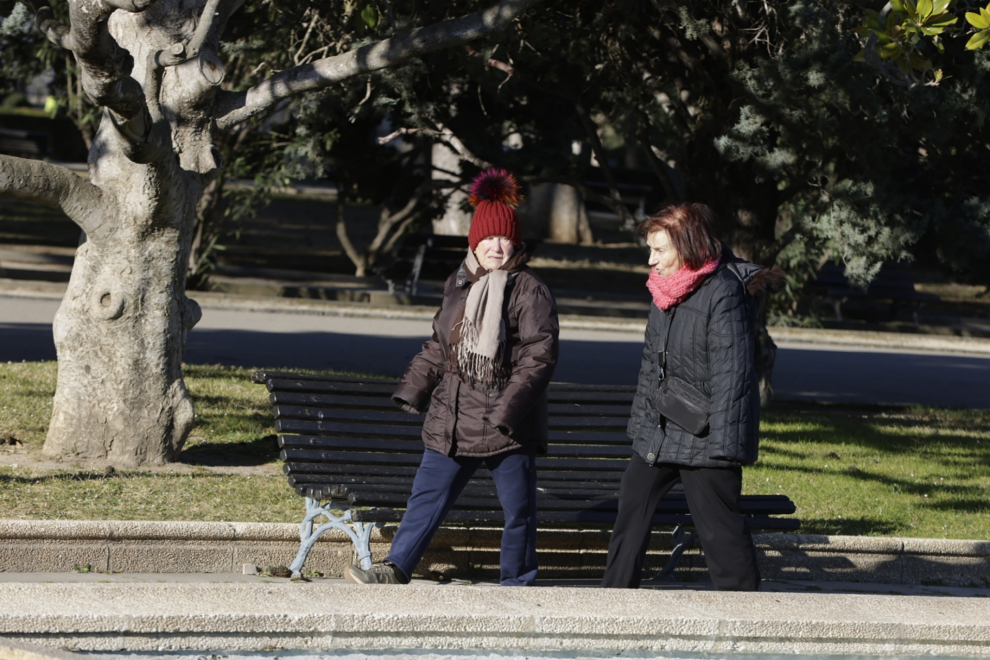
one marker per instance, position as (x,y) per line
(713,499)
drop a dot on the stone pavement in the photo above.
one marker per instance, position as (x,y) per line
(235,613)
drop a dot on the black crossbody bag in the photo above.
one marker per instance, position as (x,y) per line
(678,400)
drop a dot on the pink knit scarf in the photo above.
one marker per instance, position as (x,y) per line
(670,290)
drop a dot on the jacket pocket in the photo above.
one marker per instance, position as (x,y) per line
(684,405)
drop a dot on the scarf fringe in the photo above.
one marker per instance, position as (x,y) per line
(477,367)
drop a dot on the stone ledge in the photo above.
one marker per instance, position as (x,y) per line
(215,547)
(329,618)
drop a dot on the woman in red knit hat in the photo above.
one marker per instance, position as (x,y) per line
(482,381)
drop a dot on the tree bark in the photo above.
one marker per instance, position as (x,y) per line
(447,167)
(569,217)
(120,332)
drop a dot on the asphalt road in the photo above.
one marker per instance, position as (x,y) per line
(385,346)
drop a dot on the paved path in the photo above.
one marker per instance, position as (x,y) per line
(813,372)
(230,614)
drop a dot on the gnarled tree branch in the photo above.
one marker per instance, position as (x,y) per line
(104,66)
(234,108)
(59,188)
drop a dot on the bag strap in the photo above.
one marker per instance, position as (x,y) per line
(666,340)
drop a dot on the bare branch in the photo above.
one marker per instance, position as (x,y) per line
(447,137)
(181,52)
(104,66)
(394,135)
(235,107)
(59,188)
(55,32)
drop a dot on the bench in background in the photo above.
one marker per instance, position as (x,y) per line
(352,455)
(423,257)
(894,283)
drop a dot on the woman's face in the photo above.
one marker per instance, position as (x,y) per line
(494,251)
(663,257)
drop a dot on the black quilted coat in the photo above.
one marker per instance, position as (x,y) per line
(711,346)
(473,420)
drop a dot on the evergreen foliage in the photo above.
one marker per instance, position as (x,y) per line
(767,111)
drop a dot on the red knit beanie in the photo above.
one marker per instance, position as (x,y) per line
(494,193)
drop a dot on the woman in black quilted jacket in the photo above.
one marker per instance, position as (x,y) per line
(696,414)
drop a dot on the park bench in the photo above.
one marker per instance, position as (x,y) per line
(423,256)
(25,144)
(893,284)
(352,455)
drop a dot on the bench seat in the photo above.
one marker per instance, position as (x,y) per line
(352,455)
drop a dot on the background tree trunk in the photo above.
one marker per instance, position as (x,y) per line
(447,167)
(569,217)
(557,211)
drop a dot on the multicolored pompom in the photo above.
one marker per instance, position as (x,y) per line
(495,185)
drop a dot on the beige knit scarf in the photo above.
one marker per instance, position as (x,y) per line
(480,339)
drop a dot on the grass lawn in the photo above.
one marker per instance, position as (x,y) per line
(877,471)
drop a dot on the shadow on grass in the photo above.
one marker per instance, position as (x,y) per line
(850,527)
(259,451)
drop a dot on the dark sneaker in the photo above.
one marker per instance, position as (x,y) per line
(377,574)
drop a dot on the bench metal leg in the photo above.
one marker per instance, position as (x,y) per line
(359,532)
(682,542)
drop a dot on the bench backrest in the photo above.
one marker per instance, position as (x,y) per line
(895,279)
(344,438)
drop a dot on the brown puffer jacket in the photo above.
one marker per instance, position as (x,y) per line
(466,420)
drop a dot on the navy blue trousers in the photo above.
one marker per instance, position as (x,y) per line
(440,480)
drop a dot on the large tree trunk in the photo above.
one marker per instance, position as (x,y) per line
(121,330)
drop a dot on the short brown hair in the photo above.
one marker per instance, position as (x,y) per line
(691,232)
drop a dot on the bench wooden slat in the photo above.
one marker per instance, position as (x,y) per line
(374,403)
(616,398)
(565,518)
(485,496)
(555,437)
(342,485)
(262,376)
(546,501)
(542,463)
(330,386)
(304,415)
(377,416)
(342,428)
(415,446)
(332,400)
(307,413)
(303,471)
(300,468)
(586,409)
